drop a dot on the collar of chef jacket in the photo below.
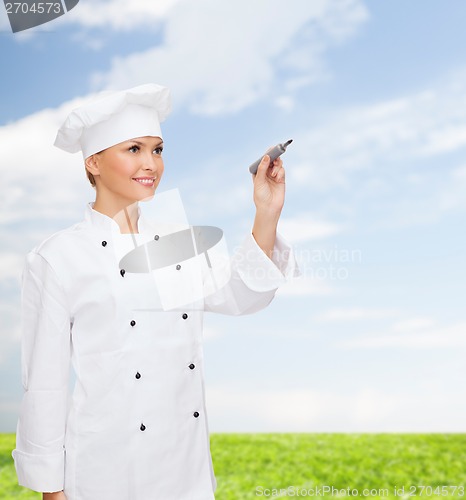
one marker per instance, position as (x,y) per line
(103,222)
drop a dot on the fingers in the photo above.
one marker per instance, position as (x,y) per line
(269,169)
(275,166)
(276,171)
(262,168)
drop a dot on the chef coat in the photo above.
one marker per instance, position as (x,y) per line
(135,427)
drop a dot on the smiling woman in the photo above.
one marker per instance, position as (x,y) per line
(134,146)
(136,428)
(121,141)
(129,157)
(125,174)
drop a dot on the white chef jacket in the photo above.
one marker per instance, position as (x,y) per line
(135,427)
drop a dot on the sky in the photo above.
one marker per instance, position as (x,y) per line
(372,336)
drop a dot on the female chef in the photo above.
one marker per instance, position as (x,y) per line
(135,427)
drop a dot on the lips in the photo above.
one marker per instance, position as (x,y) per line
(145,181)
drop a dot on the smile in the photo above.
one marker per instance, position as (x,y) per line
(145,181)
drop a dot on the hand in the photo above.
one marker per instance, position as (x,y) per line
(59,495)
(269,186)
(269,196)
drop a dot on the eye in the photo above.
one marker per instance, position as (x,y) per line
(158,150)
(134,149)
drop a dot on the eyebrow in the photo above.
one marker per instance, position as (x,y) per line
(142,144)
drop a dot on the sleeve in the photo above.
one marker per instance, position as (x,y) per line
(39,455)
(254,278)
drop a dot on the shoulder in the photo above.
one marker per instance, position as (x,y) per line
(60,242)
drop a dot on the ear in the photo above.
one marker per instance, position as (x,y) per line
(92,164)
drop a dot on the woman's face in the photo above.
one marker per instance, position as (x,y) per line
(130,170)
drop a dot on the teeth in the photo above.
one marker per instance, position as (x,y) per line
(145,181)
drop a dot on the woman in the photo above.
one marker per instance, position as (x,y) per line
(136,426)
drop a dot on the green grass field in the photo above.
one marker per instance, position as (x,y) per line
(301,465)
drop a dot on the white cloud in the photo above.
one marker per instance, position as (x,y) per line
(10,338)
(383,136)
(413,324)
(208,193)
(418,333)
(305,285)
(306,227)
(393,163)
(459,173)
(354,314)
(220,60)
(119,15)
(322,266)
(38,180)
(364,409)
(11,265)
(285,103)
(437,195)
(451,194)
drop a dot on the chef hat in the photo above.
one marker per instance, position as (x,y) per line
(113,118)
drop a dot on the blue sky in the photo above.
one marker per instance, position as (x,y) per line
(372,337)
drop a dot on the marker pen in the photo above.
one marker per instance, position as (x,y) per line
(274,153)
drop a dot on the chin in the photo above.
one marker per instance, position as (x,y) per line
(142,194)
(147,198)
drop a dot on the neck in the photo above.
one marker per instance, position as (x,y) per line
(123,213)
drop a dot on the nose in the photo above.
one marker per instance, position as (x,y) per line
(149,163)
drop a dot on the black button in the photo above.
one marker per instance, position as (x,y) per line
(132,322)
(138,375)
(143,427)
(196,414)
(185,316)
(122,272)
(178,267)
(191,366)
(156,237)
(104,243)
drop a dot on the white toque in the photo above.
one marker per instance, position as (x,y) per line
(115,117)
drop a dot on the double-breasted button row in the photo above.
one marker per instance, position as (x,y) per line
(143,427)
(122,271)
(133,322)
